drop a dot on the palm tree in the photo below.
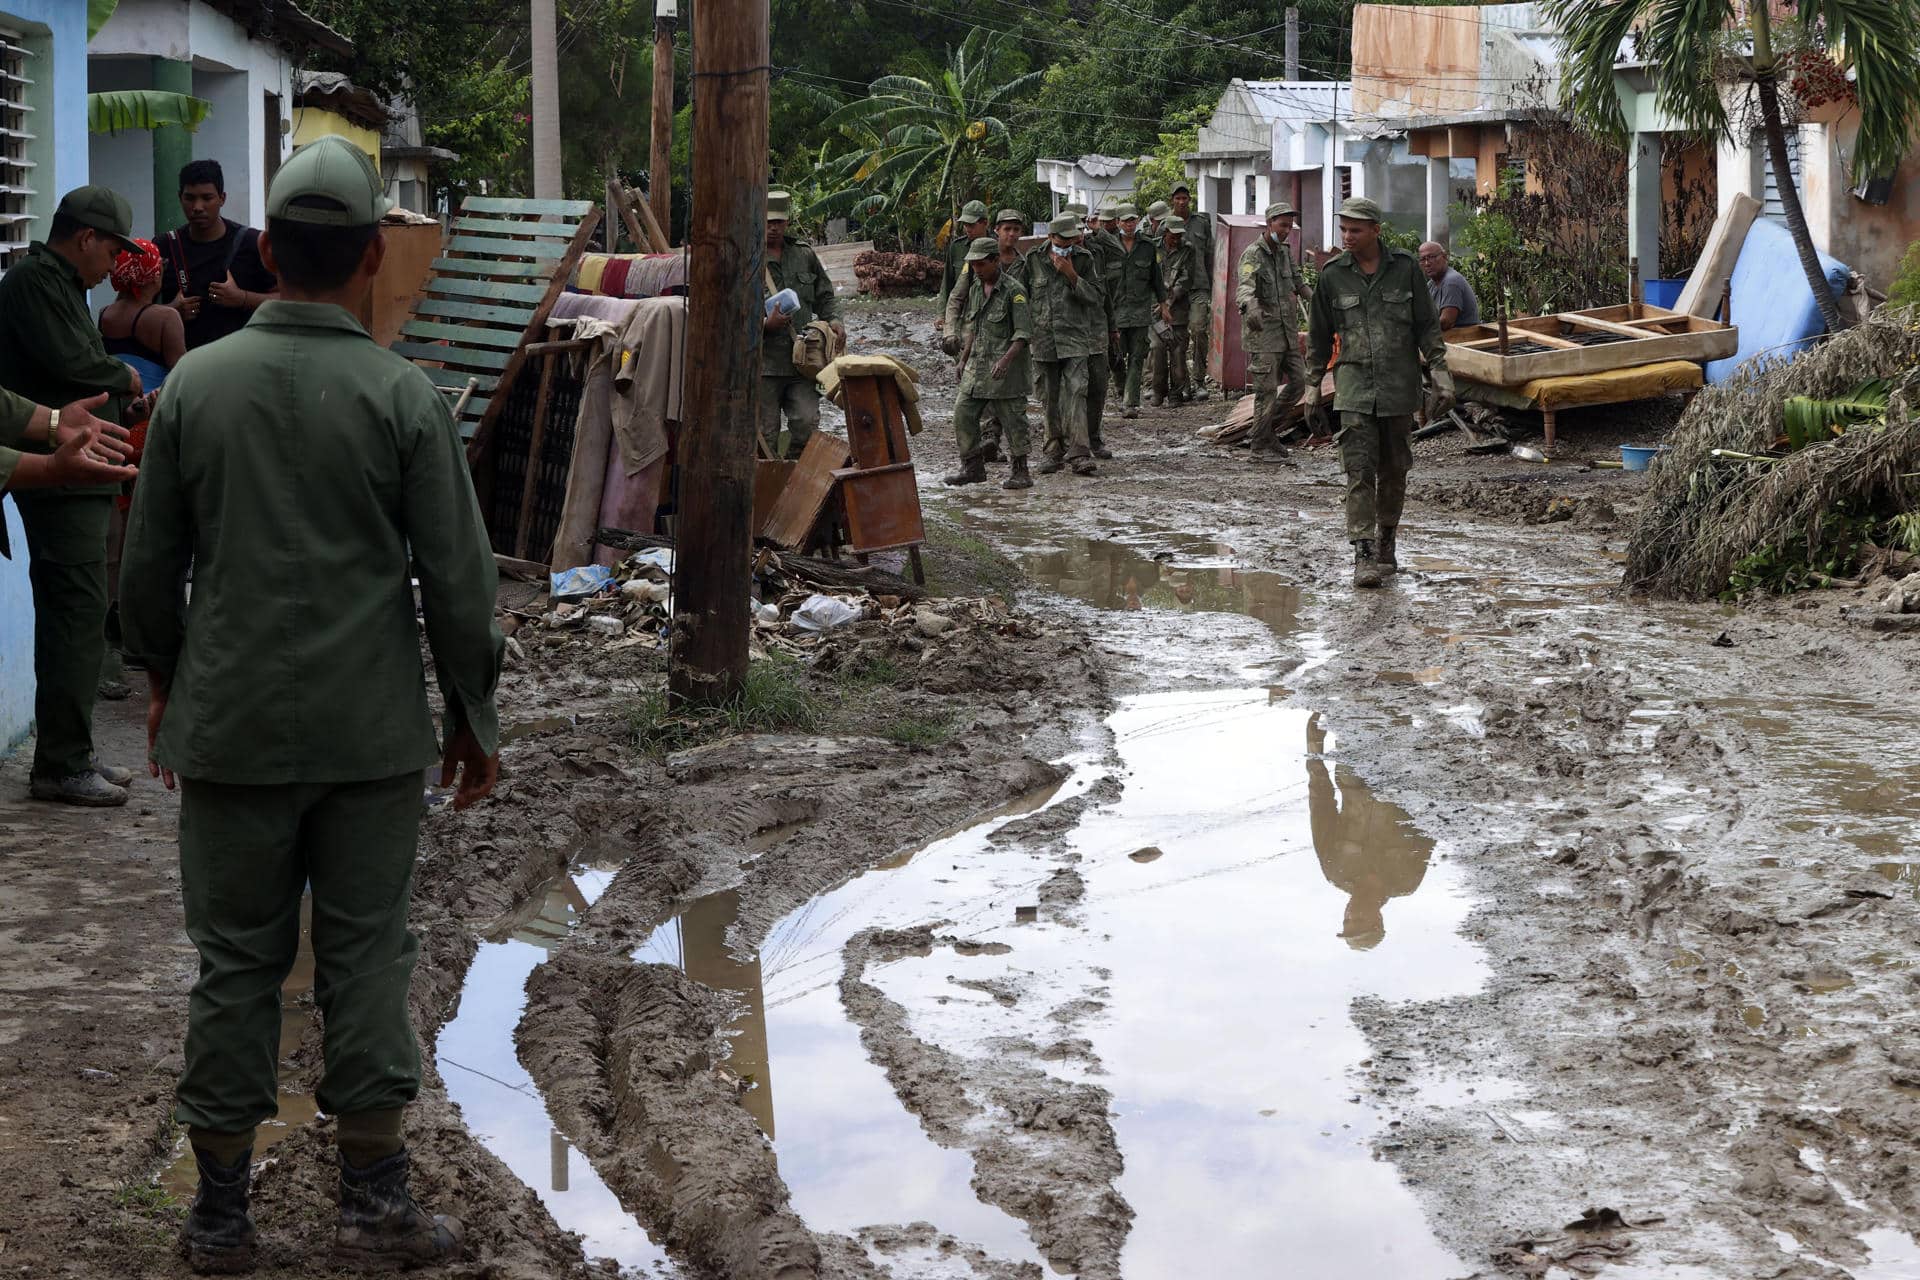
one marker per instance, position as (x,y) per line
(918,138)
(1691,39)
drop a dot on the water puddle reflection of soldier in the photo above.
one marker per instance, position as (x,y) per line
(1368,849)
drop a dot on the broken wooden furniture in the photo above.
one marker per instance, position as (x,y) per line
(530,457)
(1549,396)
(1577,343)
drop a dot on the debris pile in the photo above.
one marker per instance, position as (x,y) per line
(1733,505)
(892,275)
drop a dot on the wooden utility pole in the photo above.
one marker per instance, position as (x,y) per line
(1293,44)
(713,570)
(660,169)
(547,182)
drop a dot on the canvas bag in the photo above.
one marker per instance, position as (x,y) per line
(815,344)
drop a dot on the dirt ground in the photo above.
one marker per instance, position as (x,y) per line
(1628,932)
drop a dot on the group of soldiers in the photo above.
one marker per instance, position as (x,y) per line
(1111,306)
(1111,300)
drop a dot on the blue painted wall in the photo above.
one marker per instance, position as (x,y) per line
(56,32)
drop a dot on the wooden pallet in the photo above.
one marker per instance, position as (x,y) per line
(1647,335)
(505,264)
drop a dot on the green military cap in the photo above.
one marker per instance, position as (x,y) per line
(972,211)
(1361,209)
(1066,225)
(101,208)
(1174,226)
(1009,215)
(984,247)
(1280,209)
(1125,211)
(1080,209)
(332,169)
(1159,209)
(1178,187)
(779,206)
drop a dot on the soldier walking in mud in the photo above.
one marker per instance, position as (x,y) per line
(306,475)
(994,372)
(1177,272)
(1069,312)
(1269,293)
(1375,300)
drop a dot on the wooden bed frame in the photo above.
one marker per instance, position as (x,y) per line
(1648,334)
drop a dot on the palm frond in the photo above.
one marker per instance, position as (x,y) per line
(121,109)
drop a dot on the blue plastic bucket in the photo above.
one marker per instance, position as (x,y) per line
(1663,293)
(1637,457)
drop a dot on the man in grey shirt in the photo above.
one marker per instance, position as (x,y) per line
(1452,295)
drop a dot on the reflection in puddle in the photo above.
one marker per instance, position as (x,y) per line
(1368,850)
(1426,675)
(1197,576)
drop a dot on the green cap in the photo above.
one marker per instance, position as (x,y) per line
(779,206)
(1361,209)
(1066,225)
(1178,187)
(973,211)
(101,208)
(984,247)
(1174,226)
(1124,211)
(1159,209)
(1009,215)
(1280,209)
(1075,208)
(329,168)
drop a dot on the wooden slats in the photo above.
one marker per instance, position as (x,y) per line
(496,246)
(494,267)
(475,311)
(462,357)
(457,379)
(464,334)
(498,290)
(573,209)
(508,227)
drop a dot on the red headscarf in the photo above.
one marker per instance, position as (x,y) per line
(136,268)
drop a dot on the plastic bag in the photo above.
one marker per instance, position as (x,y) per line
(577,584)
(822,613)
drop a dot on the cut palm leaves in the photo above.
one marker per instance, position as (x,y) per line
(1809,420)
(144,109)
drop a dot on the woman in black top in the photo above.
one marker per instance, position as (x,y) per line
(134,326)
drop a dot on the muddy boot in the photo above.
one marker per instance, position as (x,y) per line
(1083,467)
(1019,479)
(381,1227)
(1051,465)
(1383,556)
(1271,451)
(113,773)
(1365,572)
(973,470)
(88,789)
(1103,453)
(219,1238)
(1131,411)
(1159,401)
(993,453)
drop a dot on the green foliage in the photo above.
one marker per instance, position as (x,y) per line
(771,699)
(98,11)
(1796,563)
(144,109)
(1810,420)
(1905,289)
(144,1197)
(919,730)
(1156,177)
(482,118)
(867,671)
(1903,533)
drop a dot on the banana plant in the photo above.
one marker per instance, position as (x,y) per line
(1810,420)
(144,109)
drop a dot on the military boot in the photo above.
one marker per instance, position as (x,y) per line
(86,788)
(219,1238)
(1051,465)
(381,1227)
(973,470)
(118,776)
(993,453)
(1019,479)
(1383,551)
(1365,572)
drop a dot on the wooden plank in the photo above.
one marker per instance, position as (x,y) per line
(805,497)
(1579,321)
(457,378)
(575,209)
(500,246)
(475,311)
(655,232)
(867,434)
(463,357)
(1546,340)
(770,476)
(542,398)
(508,227)
(883,508)
(1700,296)
(476,335)
(522,570)
(619,200)
(499,290)
(491,267)
(1516,370)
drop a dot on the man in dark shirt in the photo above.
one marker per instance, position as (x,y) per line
(213,275)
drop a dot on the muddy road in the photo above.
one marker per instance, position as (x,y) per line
(1200,916)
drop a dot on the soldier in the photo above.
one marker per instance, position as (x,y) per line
(1009,225)
(1157,214)
(994,371)
(1374,300)
(1269,293)
(51,353)
(1137,291)
(1200,242)
(791,264)
(1177,272)
(1068,312)
(325,790)
(1104,245)
(968,227)
(85,450)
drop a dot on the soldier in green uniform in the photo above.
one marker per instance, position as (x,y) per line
(1068,312)
(1200,242)
(1008,226)
(994,371)
(1157,214)
(1137,291)
(86,450)
(1104,245)
(968,227)
(1269,293)
(791,264)
(1177,272)
(51,353)
(306,474)
(1375,300)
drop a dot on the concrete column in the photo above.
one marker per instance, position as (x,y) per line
(172,147)
(1329,196)
(1644,204)
(1439,197)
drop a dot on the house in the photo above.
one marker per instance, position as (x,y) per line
(239,56)
(43,154)
(326,102)
(1087,180)
(406,161)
